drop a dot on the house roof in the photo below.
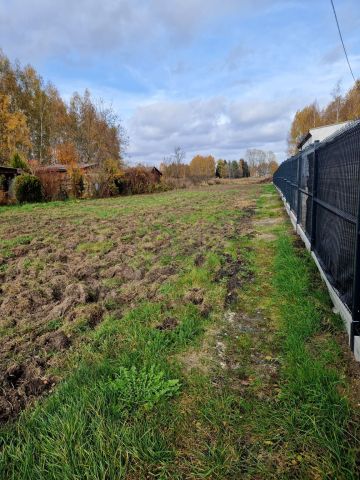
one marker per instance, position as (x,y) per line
(303,140)
(8,170)
(323,132)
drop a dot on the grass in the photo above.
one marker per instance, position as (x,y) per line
(311,423)
(257,388)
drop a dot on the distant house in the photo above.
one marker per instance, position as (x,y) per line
(318,134)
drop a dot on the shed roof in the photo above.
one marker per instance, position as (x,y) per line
(61,168)
(8,170)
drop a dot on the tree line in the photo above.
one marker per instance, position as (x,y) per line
(38,124)
(341,108)
(256,163)
(201,167)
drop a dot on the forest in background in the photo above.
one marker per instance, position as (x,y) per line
(342,108)
(257,163)
(38,128)
(38,124)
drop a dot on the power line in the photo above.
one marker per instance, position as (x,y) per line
(342,40)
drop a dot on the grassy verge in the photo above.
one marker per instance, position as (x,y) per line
(310,424)
(312,405)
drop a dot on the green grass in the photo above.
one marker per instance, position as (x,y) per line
(138,402)
(95,247)
(312,416)
(312,407)
(6,246)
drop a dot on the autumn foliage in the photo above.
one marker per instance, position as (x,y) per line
(202,167)
(37,122)
(342,108)
(14,132)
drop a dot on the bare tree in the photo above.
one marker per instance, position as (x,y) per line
(337,98)
(179,156)
(176,162)
(254,158)
(261,163)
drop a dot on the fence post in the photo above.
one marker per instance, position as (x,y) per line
(314,194)
(298,189)
(355,324)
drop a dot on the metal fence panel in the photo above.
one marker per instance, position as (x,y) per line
(322,187)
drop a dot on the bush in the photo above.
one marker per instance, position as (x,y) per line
(104,181)
(137,180)
(28,188)
(3,182)
(18,162)
(53,185)
(77,183)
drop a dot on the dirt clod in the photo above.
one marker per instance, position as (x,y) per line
(199,260)
(169,323)
(56,341)
(14,374)
(195,296)
(205,310)
(95,316)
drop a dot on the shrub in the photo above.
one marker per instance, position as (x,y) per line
(3,182)
(136,180)
(77,183)
(3,198)
(105,180)
(28,188)
(3,185)
(53,184)
(17,161)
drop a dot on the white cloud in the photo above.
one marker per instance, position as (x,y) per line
(216,125)
(214,76)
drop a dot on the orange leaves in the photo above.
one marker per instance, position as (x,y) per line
(203,167)
(14,132)
(340,109)
(66,154)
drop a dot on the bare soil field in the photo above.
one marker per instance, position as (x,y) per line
(64,266)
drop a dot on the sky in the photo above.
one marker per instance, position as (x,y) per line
(211,76)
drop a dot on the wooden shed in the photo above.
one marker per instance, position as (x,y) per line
(7,176)
(9,173)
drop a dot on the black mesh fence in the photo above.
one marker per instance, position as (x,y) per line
(321,185)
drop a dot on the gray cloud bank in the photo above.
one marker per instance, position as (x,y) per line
(43,28)
(217,126)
